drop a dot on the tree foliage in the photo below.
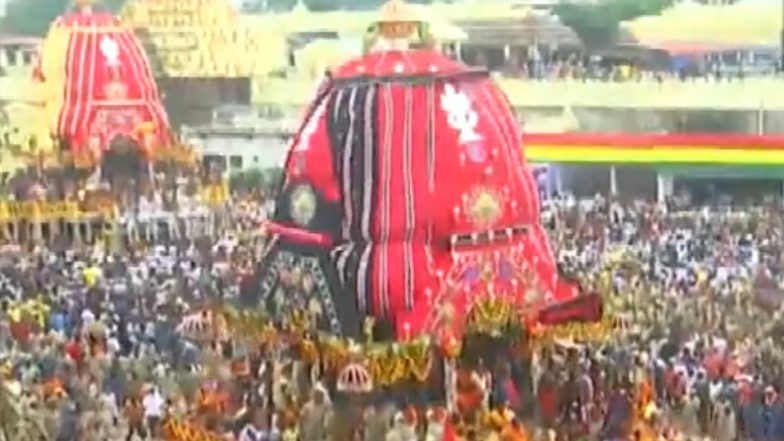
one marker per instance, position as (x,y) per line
(32,17)
(597,24)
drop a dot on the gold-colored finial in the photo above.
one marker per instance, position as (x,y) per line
(84,5)
(398,19)
(397,11)
(400,26)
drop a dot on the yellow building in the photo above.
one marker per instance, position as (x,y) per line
(204,54)
(23,128)
(204,39)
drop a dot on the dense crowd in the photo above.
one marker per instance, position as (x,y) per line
(92,341)
(620,67)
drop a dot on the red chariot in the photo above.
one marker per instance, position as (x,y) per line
(407,198)
(100,86)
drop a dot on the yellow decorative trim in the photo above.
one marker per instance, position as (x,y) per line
(47,211)
(490,316)
(579,332)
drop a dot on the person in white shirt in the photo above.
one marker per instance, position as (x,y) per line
(153,404)
(88,318)
(259,429)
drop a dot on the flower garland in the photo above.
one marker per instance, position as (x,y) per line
(387,363)
(180,431)
(581,332)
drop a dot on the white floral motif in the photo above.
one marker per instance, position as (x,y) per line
(110,51)
(460,115)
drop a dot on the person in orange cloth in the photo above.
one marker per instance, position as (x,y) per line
(514,431)
(500,417)
(645,394)
(53,388)
(212,399)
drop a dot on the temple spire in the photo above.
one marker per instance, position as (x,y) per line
(84,6)
(300,7)
(398,27)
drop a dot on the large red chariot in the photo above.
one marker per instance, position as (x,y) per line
(100,86)
(407,198)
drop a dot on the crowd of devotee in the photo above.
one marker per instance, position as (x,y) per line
(99,344)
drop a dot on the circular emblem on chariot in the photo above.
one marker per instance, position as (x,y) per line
(303,204)
(483,207)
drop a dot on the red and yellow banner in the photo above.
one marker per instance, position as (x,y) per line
(708,149)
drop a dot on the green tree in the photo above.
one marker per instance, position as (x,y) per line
(597,24)
(33,17)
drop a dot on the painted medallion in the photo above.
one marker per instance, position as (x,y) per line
(303,205)
(483,207)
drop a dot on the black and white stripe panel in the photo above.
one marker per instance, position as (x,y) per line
(352,129)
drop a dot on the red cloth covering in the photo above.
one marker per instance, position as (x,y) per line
(713,364)
(74,351)
(109,89)
(438,206)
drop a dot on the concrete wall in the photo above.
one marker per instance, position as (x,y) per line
(259,152)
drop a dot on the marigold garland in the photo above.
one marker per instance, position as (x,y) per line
(581,332)
(387,363)
(180,431)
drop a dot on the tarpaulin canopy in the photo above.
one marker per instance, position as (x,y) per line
(746,23)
